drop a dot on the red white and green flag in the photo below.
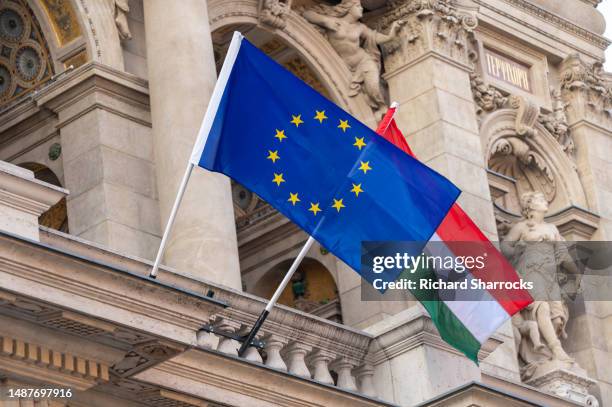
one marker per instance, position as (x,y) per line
(465,325)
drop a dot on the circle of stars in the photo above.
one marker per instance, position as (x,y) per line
(278,179)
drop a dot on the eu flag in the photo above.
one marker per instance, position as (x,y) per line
(314,162)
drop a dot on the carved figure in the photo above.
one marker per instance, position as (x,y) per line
(556,122)
(357,45)
(121,11)
(274,12)
(540,263)
(487,98)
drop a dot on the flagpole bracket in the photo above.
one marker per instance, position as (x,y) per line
(209,328)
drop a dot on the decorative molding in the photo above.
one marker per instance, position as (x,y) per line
(568,385)
(151,395)
(526,116)
(428,26)
(575,223)
(417,330)
(41,363)
(587,90)
(551,18)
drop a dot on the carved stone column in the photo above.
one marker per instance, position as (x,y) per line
(589,99)
(181,78)
(428,70)
(588,93)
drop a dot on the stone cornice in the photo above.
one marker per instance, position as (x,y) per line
(216,374)
(243,307)
(593,3)
(112,294)
(551,18)
(575,221)
(21,191)
(410,329)
(97,86)
(41,363)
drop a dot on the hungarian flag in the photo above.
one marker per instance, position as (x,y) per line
(466,325)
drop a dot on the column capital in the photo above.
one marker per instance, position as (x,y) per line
(435,28)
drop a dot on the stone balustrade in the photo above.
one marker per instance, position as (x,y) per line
(294,342)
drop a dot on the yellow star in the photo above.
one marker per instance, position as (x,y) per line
(359,143)
(357,189)
(320,116)
(365,166)
(280,134)
(278,178)
(293,198)
(338,204)
(344,125)
(314,208)
(273,155)
(297,120)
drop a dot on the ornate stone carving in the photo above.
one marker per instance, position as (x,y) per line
(539,328)
(121,12)
(513,157)
(526,116)
(24,59)
(556,122)
(144,355)
(357,45)
(29,359)
(274,12)
(431,25)
(585,83)
(487,98)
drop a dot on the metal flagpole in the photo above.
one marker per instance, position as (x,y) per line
(296,263)
(177,202)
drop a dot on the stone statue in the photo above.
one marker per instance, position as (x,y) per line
(121,11)
(539,255)
(357,45)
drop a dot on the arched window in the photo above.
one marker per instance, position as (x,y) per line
(312,289)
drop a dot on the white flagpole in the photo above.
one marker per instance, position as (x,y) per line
(198,147)
(177,203)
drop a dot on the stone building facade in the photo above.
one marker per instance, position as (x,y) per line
(100,103)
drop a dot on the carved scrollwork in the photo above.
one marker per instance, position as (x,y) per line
(435,25)
(580,78)
(526,116)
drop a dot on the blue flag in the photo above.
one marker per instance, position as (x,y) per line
(314,162)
